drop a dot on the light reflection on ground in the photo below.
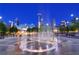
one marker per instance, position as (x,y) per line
(36,46)
(66,47)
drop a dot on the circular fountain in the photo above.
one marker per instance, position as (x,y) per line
(39,43)
(42,41)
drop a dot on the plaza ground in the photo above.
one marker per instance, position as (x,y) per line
(66,46)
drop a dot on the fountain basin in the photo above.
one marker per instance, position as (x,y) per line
(38,46)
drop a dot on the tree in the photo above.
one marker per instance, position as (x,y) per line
(13,29)
(75,24)
(3,29)
(62,29)
(29,30)
(72,27)
(67,29)
(34,29)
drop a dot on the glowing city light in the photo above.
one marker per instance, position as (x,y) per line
(10,21)
(77,18)
(72,15)
(0,17)
(67,22)
(47,24)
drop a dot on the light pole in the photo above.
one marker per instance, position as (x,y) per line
(67,23)
(77,18)
(47,25)
(72,15)
(0,18)
(77,21)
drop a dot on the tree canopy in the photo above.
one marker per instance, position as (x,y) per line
(3,28)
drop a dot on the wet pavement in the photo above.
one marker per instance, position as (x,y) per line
(67,46)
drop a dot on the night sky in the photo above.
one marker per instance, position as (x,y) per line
(27,13)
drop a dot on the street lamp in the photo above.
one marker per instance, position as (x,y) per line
(77,18)
(0,17)
(67,22)
(10,21)
(72,15)
(47,24)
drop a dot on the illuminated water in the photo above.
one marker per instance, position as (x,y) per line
(42,42)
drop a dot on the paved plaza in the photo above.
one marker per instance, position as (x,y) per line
(66,46)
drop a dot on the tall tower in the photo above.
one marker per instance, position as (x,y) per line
(0,18)
(40,22)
